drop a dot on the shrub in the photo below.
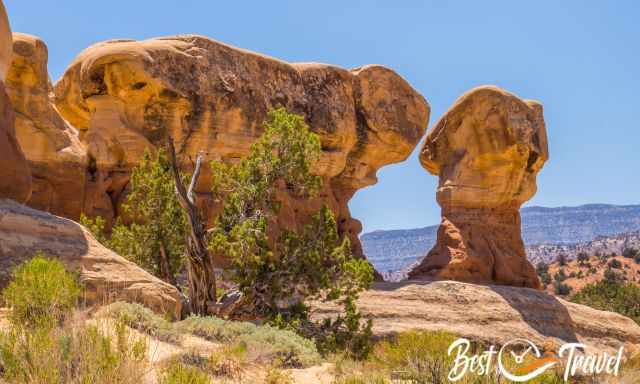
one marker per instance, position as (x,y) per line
(562,289)
(276,275)
(562,259)
(542,269)
(79,354)
(228,361)
(216,329)
(612,295)
(612,276)
(264,343)
(156,238)
(630,252)
(42,293)
(141,318)
(614,263)
(277,376)
(583,258)
(560,276)
(177,372)
(282,347)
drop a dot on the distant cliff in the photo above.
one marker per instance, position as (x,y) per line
(551,227)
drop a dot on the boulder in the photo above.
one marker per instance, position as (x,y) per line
(125,96)
(57,159)
(487,150)
(489,313)
(105,275)
(15,176)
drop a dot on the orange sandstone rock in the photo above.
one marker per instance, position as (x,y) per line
(15,176)
(57,159)
(126,96)
(487,150)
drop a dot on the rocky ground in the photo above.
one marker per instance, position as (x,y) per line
(494,314)
(591,271)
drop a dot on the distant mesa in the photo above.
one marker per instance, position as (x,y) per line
(487,151)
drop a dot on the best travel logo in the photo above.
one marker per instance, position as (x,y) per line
(520,360)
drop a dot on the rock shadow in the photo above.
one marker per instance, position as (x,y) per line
(553,320)
(25,231)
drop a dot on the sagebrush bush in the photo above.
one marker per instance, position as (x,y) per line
(141,318)
(277,376)
(176,372)
(264,344)
(42,293)
(280,347)
(215,329)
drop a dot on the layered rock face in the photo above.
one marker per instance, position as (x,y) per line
(491,314)
(15,177)
(487,150)
(57,159)
(126,96)
(105,276)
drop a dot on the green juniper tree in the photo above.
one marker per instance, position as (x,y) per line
(155,239)
(276,275)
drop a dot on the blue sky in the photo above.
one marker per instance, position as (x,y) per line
(581,59)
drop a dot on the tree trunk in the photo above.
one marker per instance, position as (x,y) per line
(165,266)
(201,273)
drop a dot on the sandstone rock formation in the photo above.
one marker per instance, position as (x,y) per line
(5,43)
(489,313)
(487,150)
(106,276)
(15,177)
(125,96)
(57,159)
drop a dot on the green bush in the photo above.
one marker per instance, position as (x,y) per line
(216,329)
(155,240)
(78,354)
(177,372)
(560,276)
(614,263)
(613,276)
(42,293)
(284,348)
(264,343)
(141,318)
(418,357)
(611,295)
(562,289)
(583,257)
(276,274)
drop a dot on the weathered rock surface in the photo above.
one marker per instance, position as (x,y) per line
(490,313)
(106,276)
(5,42)
(487,150)
(125,96)
(57,159)
(15,177)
